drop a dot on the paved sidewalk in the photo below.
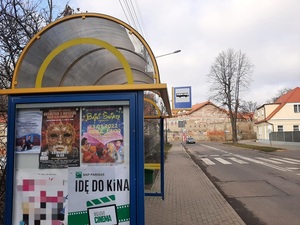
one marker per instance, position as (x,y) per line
(190,197)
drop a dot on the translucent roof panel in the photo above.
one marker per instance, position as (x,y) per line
(85,50)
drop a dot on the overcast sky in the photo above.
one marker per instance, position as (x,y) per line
(267,31)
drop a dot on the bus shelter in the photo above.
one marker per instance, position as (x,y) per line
(77,109)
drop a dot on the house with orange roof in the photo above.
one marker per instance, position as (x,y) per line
(279,117)
(205,122)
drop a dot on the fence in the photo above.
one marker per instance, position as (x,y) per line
(287,136)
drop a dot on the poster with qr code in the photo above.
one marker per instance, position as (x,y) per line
(41,196)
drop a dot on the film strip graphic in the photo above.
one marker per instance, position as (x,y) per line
(81,217)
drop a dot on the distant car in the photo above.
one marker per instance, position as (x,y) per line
(190,140)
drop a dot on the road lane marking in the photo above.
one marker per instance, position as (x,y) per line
(268,160)
(202,156)
(238,160)
(214,148)
(223,161)
(285,161)
(207,161)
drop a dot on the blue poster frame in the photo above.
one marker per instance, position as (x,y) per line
(136,132)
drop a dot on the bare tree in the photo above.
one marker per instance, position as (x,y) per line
(279,94)
(248,107)
(229,75)
(20,20)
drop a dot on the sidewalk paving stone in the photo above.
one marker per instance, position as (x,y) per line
(190,197)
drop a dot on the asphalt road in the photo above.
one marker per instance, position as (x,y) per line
(263,188)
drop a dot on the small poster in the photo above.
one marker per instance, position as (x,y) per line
(99,195)
(28,131)
(41,197)
(102,135)
(60,138)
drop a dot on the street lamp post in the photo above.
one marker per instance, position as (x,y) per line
(177,51)
(171,53)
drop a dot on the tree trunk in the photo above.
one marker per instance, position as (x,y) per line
(234,133)
(233,127)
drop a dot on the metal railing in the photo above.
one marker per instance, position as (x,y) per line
(286,136)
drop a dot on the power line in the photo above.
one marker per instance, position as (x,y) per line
(142,22)
(132,13)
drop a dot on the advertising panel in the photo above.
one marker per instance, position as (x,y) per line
(60,138)
(102,134)
(28,131)
(99,195)
(41,197)
(79,172)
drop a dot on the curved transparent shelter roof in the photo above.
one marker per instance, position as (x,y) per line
(87,52)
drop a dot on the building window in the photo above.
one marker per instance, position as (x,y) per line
(296,127)
(297,108)
(280,128)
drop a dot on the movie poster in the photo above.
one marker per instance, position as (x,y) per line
(102,130)
(28,131)
(41,197)
(60,138)
(99,195)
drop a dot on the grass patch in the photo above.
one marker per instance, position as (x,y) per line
(255,147)
(168,146)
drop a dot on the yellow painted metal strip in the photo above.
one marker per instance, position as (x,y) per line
(162,88)
(152,166)
(79,41)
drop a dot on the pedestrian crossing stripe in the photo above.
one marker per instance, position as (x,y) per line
(223,161)
(294,160)
(209,162)
(81,217)
(285,161)
(293,168)
(238,160)
(268,160)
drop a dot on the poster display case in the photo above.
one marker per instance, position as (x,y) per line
(75,160)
